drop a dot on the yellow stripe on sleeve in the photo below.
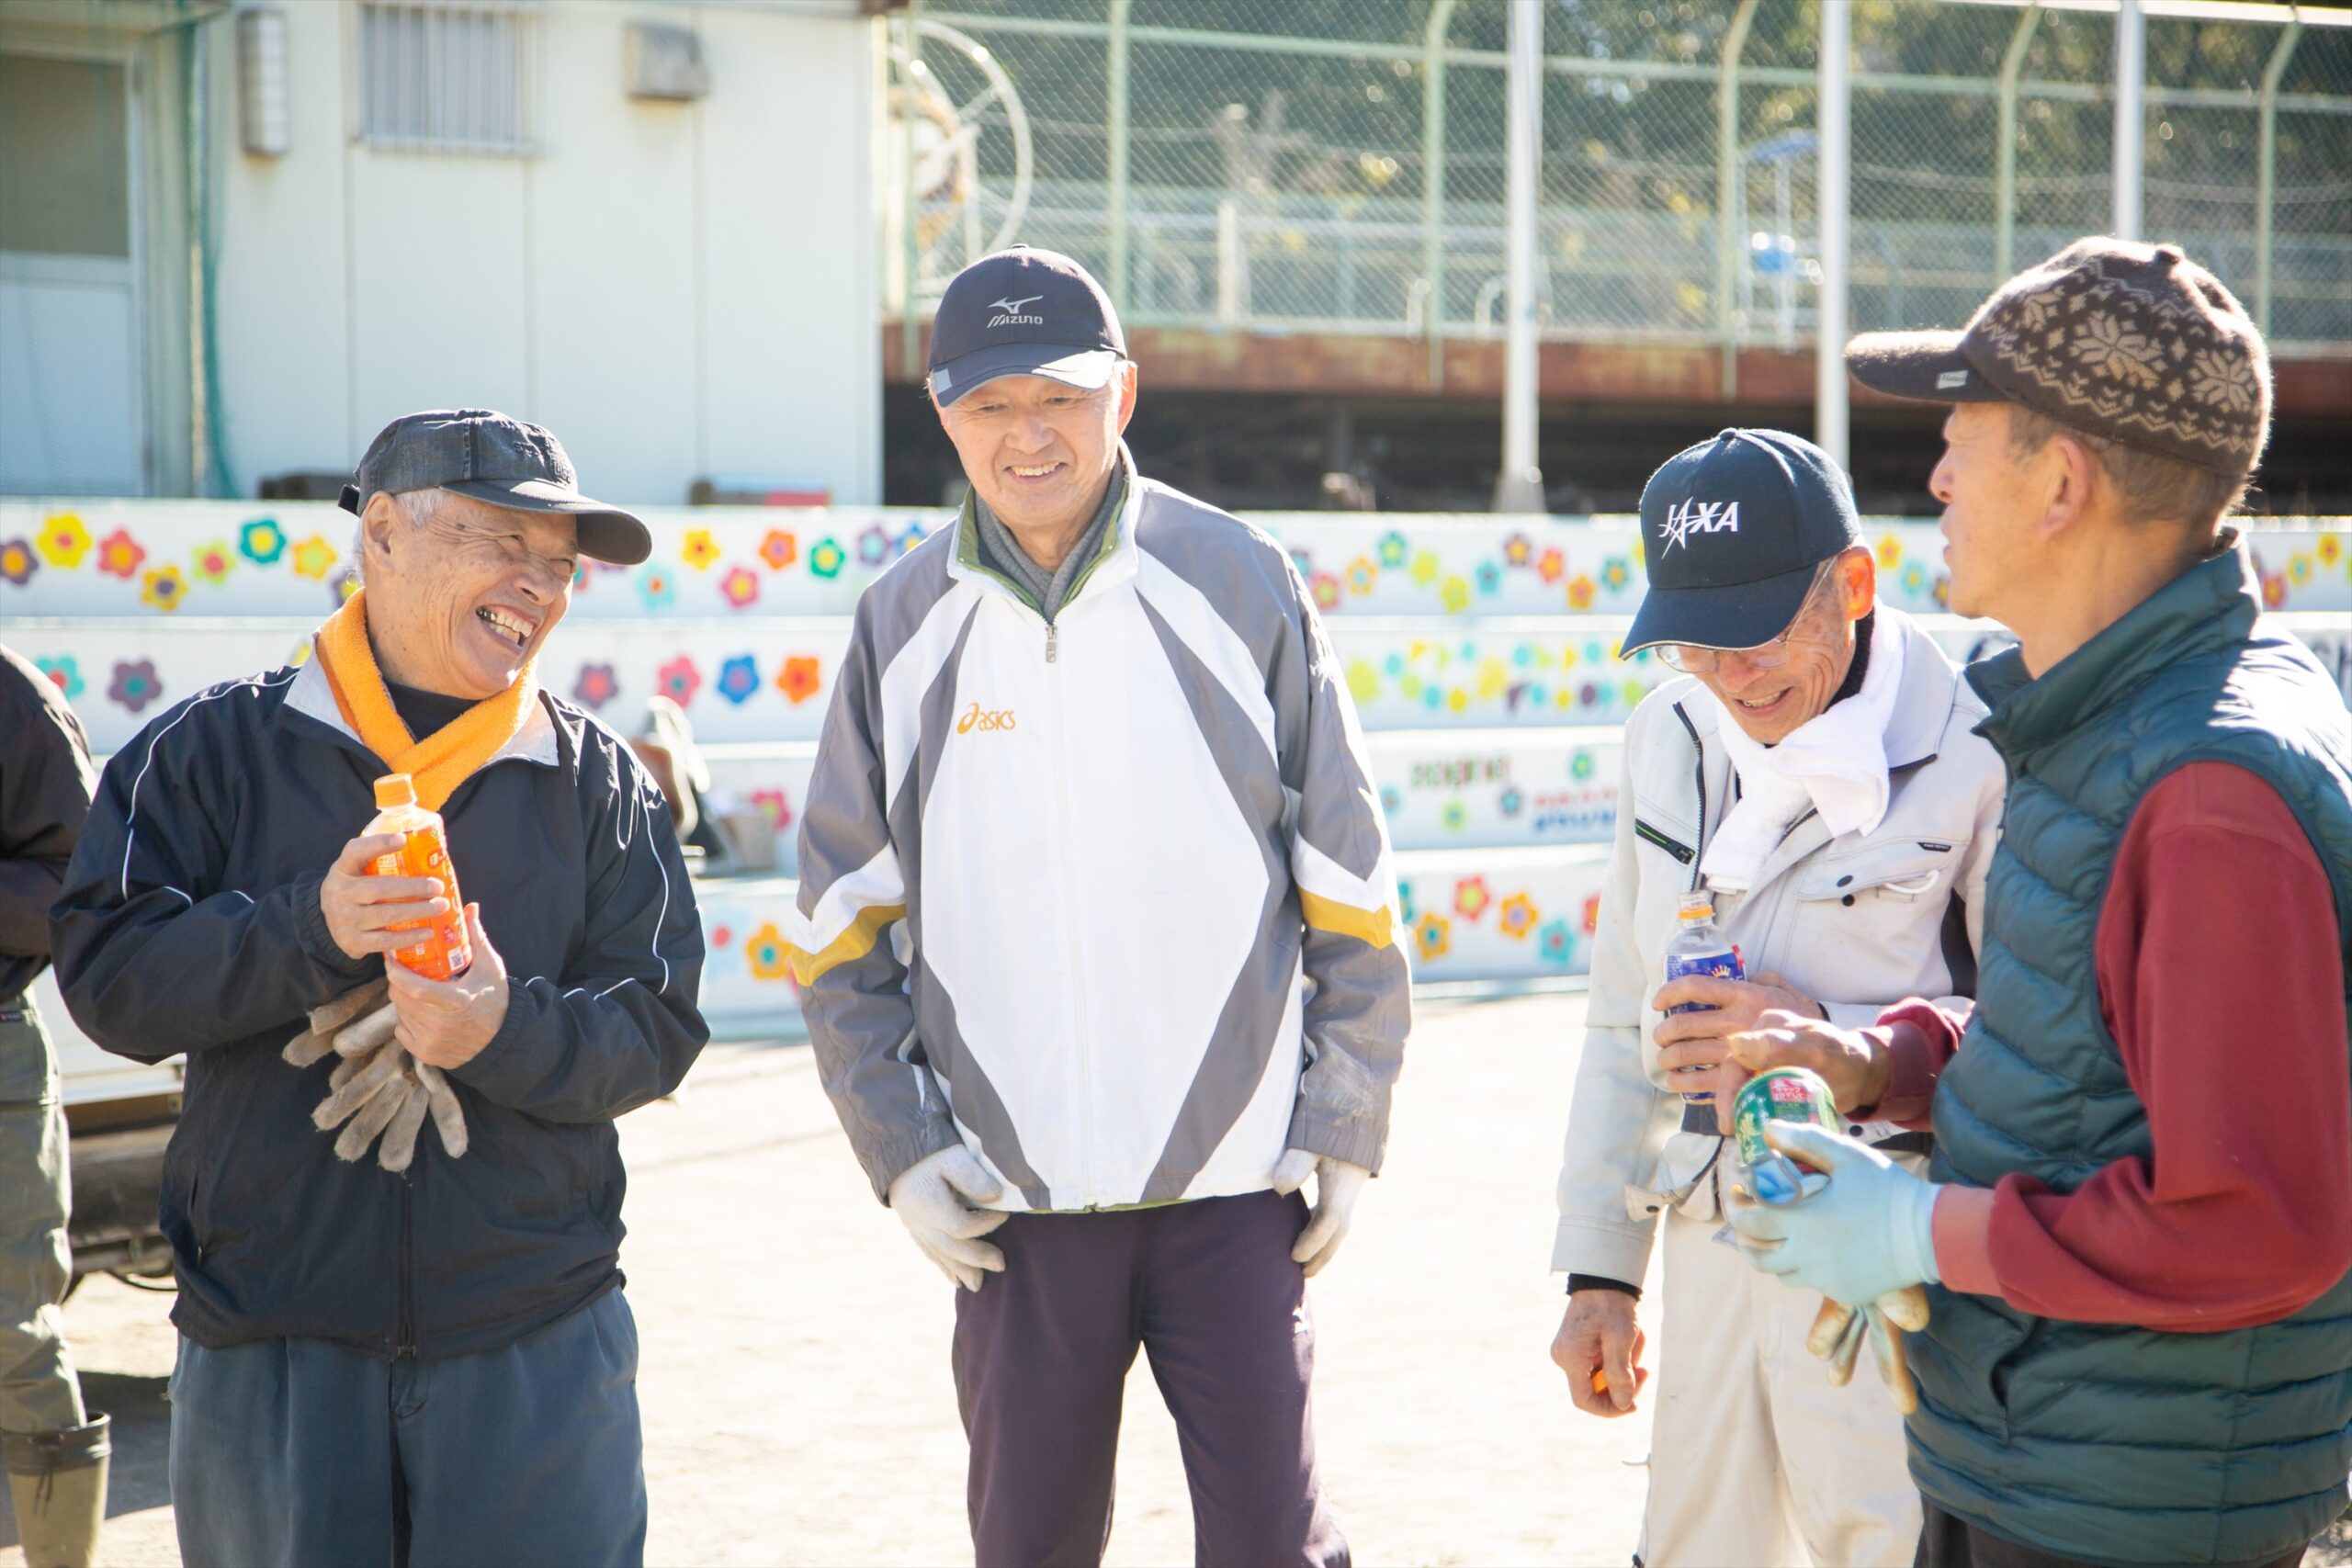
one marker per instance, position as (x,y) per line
(854,943)
(1373,927)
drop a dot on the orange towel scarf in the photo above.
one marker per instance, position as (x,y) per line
(441,761)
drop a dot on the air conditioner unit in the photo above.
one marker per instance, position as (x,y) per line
(658,61)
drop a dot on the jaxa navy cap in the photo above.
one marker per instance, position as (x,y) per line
(1024,312)
(1733,531)
(502,460)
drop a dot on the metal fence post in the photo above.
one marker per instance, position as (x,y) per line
(910,214)
(2131,115)
(1433,184)
(1832,222)
(2004,220)
(1727,181)
(1115,170)
(2266,221)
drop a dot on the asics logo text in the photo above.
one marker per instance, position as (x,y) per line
(978,718)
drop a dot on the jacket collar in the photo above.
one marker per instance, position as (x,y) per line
(311,698)
(1116,563)
(2213,604)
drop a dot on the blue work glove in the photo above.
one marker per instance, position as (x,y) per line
(1868,1230)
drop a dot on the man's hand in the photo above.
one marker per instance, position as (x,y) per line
(1868,1230)
(1337,1185)
(1693,1044)
(445,1023)
(933,1197)
(1599,1341)
(1853,1065)
(361,910)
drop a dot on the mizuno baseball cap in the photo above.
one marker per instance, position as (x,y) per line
(502,460)
(1024,312)
(1733,531)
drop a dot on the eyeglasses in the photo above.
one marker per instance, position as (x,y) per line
(1694,660)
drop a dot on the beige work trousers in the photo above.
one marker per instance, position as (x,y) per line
(1754,1459)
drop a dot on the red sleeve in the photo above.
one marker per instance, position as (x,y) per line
(1919,1038)
(2221,974)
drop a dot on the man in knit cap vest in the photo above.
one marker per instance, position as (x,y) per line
(2138,1221)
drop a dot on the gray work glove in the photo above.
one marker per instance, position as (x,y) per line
(377,1087)
(1337,1185)
(935,1198)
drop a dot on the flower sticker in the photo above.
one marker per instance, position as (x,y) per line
(1325,589)
(1433,937)
(1455,594)
(1453,816)
(1405,907)
(678,681)
(772,804)
(1488,576)
(2299,570)
(120,555)
(1518,917)
(1890,551)
(214,561)
(1364,681)
(135,686)
(769,957)
(1392,548)
(63,673)
(2274,589)
(1509,802)
(1470,898)
(314,558)
(261,541)
(163,588)
(1392,800)
(738,678)
(656,588)
(2330,546)
(873,545)
(1517,548)
(1551,566)
(1555,943)
(740,586)
(700,550)
(1592,913)
(596,686)
(1615,574)
(1425,569)
(1915,580)
(1581,765)
(779,550)
(1580,594)
(826,558)
(799,678)
(1304,560)
(64,540)
(18,562)
(1361,575)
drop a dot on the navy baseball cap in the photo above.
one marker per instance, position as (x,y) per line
(1733,531)
(493,458)
(1024,312)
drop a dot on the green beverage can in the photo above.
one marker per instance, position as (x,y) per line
(1780,1094)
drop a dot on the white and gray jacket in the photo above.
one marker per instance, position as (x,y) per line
(1107,900)
(1858,921)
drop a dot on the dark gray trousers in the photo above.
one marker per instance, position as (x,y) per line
(1209,1292)
(295,1452)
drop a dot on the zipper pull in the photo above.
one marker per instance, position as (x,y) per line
(1049,642)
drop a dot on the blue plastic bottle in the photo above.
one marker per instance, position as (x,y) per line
(1699,947)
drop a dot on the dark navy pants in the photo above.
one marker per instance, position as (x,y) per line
(295,1452)
(1209,1292)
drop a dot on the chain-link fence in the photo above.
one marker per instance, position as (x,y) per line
(1338,163)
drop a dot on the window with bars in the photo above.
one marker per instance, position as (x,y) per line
(446,75)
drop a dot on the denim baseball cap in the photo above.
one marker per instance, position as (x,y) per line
(1024,312)
(1733,531)
(502,460)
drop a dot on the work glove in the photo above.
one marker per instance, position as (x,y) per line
(1868,1230)
(1337,1185)
(935,1198)
(377,1087)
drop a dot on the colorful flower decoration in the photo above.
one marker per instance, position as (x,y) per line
(214,561)
(909,536)
(1425,569)
(1509,801)
(18,562)
(1457,700)
(1488,576)
(1943,592)
(1432,936)
(1890,551)
(1364,681)
(2299,570)
(678,681)
(2330,546)
(120,555)
(135,684)
(1518,917)
(799,678)
(772,804)
(779,550)
(1470,897)
(1455,594)
(596,686)
(1406,909)
(1453,816)
(1915,580)
(1550,565)
(2274,588)
(314,558)
(1592,913)
(769,957)
(342,585)
(738,678)
(1580,594)
(1555,943)
(1361,575)
(700,550)
(656,588)
(163,588)
(1615,574)
(1392,800)
(740,586)
(1581,765)
(1304,560)
(1325,589)
(64,540)
(1392,548)
(261,541)
(826,558)
(64,673)
(1517,549)
(873,545)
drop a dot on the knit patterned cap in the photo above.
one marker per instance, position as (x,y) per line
(2133,343)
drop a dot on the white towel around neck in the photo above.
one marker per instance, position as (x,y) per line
(1835,762)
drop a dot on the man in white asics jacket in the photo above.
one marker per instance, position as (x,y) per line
(1096,944)
(1817,771)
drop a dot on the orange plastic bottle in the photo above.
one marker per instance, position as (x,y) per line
(443,952)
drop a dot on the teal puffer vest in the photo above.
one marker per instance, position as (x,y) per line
(2091,1440)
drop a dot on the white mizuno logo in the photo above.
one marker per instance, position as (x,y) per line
(1010,314)
(1699,517)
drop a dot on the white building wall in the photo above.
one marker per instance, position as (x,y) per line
(678,290)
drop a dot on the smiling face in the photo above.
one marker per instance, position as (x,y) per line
(460,600)
(1040,453)
(1771,704)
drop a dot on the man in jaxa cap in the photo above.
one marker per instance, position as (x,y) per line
(402,1335)
(1096,943)
(1814,770)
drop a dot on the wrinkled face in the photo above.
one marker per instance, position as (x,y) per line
(1991,503)
(1771,704)
(460,603)
(1039,452)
